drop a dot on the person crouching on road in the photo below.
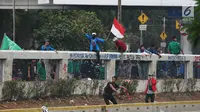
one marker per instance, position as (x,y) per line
(110,88)
(150,89)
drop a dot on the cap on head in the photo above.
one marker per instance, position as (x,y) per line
(94,33)
(46,40)
(115,38)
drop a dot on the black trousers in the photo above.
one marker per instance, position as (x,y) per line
(151,96)
(98,56)
(109,97)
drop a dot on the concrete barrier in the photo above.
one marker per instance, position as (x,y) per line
(183,106)
(7,58)
(110,58)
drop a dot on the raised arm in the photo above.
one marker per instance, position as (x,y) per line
(88,36)
(100,40)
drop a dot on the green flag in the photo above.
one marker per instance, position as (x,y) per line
(41,71)
(8,44)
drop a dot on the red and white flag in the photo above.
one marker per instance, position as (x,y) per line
(117,29)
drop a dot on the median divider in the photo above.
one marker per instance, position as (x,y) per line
(139,107)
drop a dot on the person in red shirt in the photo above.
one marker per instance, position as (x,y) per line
(120,45)
(150,89)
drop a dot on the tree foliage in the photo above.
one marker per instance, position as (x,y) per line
(193,29)
(7,19)
(64,28)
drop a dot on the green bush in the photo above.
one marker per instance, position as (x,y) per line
(13,90)
(63,88)
(130,85)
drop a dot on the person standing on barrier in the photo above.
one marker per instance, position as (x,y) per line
(110,88)
(150,89)
(120,45)
(94,40)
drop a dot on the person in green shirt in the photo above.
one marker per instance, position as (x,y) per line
(174,47)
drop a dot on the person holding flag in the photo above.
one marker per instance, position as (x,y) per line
(118,30)
(120,45)
(94,40)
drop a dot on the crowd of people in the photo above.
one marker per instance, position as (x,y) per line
(31,70)
(36,68)
(111,87)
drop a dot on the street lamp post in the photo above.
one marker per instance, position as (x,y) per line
(14,20)
(164,26)
(119,17)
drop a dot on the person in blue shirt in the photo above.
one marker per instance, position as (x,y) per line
(94,40)
(143,50)
(154,51)
(143,65)
(46,46)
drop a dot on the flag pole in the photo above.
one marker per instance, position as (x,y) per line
(14,20)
